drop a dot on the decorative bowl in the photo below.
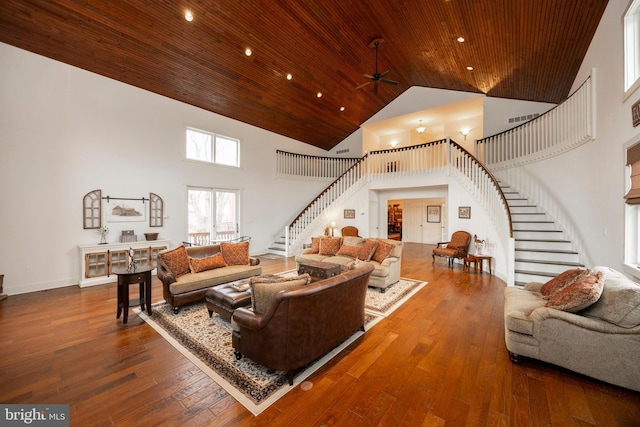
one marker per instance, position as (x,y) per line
(151,236)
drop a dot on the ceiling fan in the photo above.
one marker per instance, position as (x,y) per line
(377,77)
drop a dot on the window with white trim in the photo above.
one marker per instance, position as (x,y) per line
(213,148)
(632,47)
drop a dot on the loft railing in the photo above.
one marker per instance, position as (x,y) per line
(305,166)
(442,156)
(559,130)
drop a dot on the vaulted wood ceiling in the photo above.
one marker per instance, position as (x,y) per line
(519,49)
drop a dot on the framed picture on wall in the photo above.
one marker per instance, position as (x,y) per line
(349,213)
(464,212)
(433,213)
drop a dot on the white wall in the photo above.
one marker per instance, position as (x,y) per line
(65,132)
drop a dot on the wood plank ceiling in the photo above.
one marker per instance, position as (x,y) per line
(519,49)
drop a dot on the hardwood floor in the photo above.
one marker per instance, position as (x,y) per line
(438,360)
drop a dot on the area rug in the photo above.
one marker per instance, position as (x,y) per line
(206,341)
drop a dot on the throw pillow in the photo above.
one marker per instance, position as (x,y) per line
(263,293)
(235,253)
(579,295)
(382,251)
(315,245)
(175,260)
(349,251)
(208,263)
(620,300)
(367,250)
(330,245)
(561,281)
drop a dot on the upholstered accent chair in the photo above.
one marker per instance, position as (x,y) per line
(457,247)
(349,231)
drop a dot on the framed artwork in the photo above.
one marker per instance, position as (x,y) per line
(464,212)
(433,213)
(126,210)
(349,213)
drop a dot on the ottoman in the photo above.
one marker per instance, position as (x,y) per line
(224,299)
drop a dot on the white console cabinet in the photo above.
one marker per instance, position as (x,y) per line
(97,262)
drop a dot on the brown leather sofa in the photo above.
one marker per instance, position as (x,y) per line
(191,287)
(303,323)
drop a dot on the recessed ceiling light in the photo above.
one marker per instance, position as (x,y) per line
(470,68)
(319,94)
(247,52)
(289,76)
(460,39)
(188,16)
(341,108)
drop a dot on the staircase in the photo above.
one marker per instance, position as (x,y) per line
(542,250)
(278,247)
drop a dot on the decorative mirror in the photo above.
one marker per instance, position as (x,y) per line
(156,210)
(92,209)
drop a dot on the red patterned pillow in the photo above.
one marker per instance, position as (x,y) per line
(368,249)
(330,245)
(315,245)
(235,253)
(579,295)
(349,251)
(382,251)
(208,263)
(562,280)
(175,260)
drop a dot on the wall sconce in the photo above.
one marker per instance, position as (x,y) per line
(465,132)
(420,128)
(394,144)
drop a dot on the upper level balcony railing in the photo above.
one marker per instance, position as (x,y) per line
(563,128)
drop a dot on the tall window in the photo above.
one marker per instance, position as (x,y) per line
(213,215)
(632,47)
(209,147)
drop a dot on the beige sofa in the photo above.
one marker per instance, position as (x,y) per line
(601,341)
(386,272)
(181,289)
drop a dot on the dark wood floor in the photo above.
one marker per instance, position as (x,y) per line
(438,360)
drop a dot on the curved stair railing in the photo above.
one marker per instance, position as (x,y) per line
(563,128)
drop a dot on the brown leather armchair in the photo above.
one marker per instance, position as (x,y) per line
(457,247)
(303,323)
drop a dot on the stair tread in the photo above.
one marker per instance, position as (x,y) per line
(543,240)
(536,273)
(537,261)
(550,251)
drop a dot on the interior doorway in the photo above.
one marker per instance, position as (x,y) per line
(417,220)
(394,219)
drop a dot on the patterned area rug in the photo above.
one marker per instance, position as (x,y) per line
(206,341)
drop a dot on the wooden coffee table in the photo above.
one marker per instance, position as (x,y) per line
(319,270)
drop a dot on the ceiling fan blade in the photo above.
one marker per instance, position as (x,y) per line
(369,76)
(363,85)
(375,87)
(385,73)
(390,82)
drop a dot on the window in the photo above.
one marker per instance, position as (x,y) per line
(632,212)
(213,215)
(209,147)
(632,47)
